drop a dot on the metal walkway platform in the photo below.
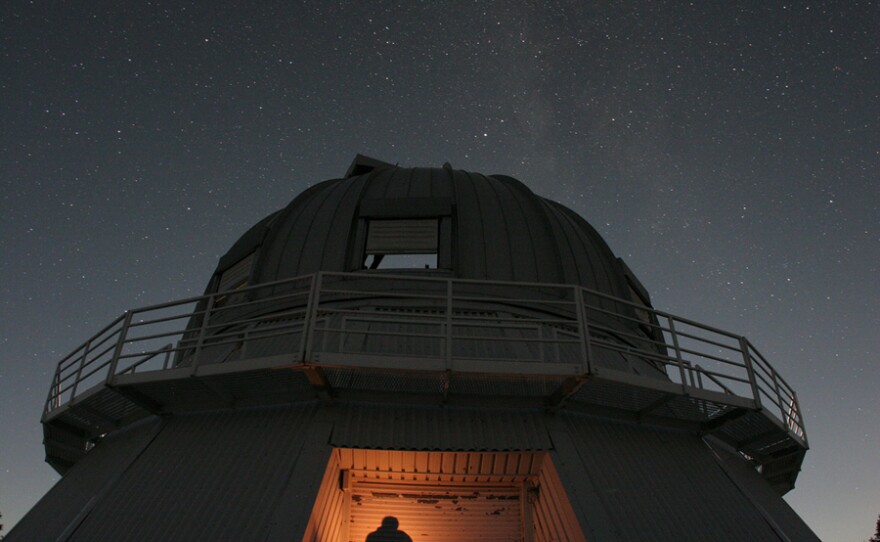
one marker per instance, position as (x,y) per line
(425,340)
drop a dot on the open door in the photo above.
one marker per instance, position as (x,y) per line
(442,497)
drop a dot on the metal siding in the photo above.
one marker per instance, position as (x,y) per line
(759,492)
(544,253)
(570,263)
(386,381)
(440,467)
(594,263)
(328,514)
(439,495)
(247,243)
(437,181)
(342,225)
(517,229)
(657,485)
(584,256)
(453,513)
(498,220)
(419,185)
(554,516)
(503,231)
(293,509)
(95,473)
(439,428)
(522,387)
(377,183)
(497,242)
(605,259)
(470,255)
(397,185)
(205,477)
(315,238)
(273,262)
(445,183)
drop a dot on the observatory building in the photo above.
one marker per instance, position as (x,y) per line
(425,351)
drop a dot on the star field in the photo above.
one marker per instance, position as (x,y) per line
(729,152)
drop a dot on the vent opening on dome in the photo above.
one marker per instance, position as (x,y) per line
(235,277)
(402,244)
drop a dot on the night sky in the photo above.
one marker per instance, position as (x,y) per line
(728,151)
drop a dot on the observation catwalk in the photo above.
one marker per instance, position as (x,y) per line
(428,350)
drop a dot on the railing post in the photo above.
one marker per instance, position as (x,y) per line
(584,328)
(448,337)
(801,431)
(82,362)
(678,360)
(50,404)
(203,331)
(120,344)
(311,316)
(779,400)
(753,380)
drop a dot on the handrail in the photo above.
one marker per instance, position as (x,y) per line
(566,317)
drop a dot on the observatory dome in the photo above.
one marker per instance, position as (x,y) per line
(438,346)
(439,221)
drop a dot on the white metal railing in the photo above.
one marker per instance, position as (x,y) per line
(447,323)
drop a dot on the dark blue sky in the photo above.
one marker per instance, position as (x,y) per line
(729,151)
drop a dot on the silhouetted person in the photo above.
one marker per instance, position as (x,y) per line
(388,532)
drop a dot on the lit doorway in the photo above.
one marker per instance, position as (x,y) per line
(442,497)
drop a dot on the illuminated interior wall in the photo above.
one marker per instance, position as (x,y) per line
(327,521)
(442,497)
(554,517)
(443,513)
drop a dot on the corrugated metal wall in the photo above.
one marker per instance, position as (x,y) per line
(213,476)
(637,483)
(70,500)
(503,230)
(443,496)
(455,467)
(439,513)
(437,496)
(430,428)
(554,518)
(327,522)
(272,474)
(778,512)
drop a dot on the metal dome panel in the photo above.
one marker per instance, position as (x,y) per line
(499,229)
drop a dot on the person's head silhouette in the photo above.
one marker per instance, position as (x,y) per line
(388,532)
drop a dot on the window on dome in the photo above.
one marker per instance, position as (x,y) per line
(235,277)
(402,244)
